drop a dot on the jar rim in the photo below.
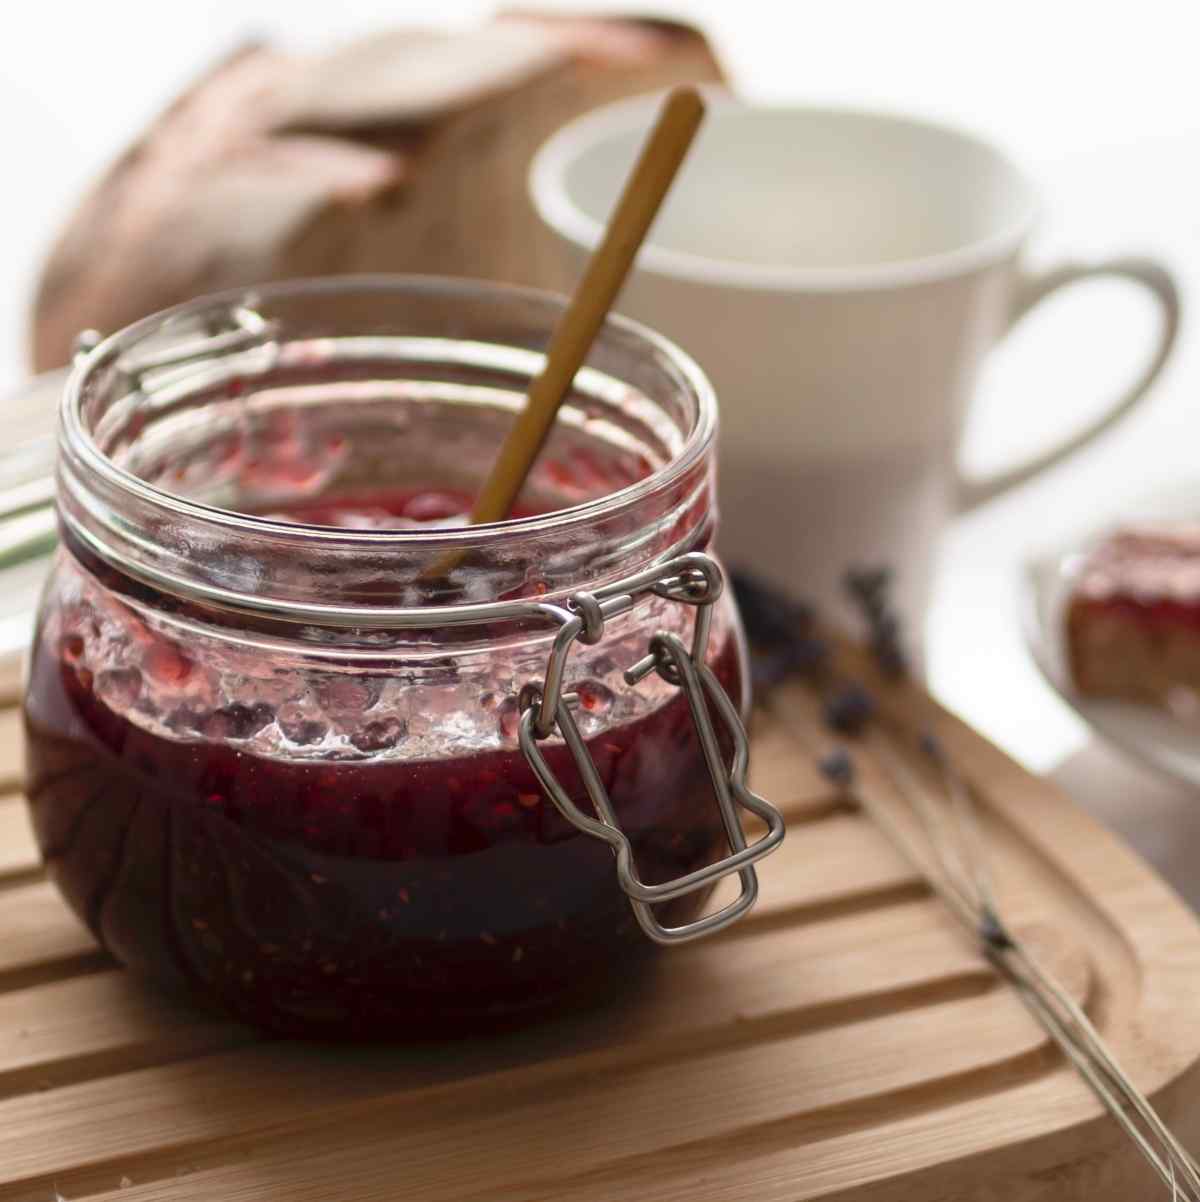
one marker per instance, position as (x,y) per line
(75,437)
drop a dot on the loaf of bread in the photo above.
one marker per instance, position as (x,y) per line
(405,151)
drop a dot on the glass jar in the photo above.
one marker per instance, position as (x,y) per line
(303,743)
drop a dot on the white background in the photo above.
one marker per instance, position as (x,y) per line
(1100,101)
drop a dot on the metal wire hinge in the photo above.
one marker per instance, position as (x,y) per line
(237,328)
(695,580)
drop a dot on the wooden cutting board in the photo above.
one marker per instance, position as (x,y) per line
(845,1042)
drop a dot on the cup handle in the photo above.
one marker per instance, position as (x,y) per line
(1031,290)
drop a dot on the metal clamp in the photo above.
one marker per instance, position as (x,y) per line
(240,327)
(696,580)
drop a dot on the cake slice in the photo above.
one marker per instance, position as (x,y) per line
(1133,621)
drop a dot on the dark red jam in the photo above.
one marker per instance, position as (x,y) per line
(387,510)
(355,898)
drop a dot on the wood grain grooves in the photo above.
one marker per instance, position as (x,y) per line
(99,1025)
(66,968)
(40,940)
(865,902)
(19,858)
(845,1042)
(12,750)
(788,1133)
(221,1152)
(581,1120)
(783,775)
(76,1030)
(744,1007)
(1036,844)
(838,865)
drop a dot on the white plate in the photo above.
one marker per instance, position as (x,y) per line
(1153,736)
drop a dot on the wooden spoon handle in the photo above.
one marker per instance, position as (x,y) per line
(644,192)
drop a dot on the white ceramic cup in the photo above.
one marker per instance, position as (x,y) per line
(840,276)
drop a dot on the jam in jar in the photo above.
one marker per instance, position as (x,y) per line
(286,740)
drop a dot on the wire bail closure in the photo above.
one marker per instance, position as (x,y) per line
(694,579)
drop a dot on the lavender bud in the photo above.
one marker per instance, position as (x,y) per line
(837,767)
(869,586)
(850,709)
(931,745)
(772,618)
(768,670)
(810,656)
(890,657)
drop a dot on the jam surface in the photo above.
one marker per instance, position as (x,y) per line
(400,509)
(358,897)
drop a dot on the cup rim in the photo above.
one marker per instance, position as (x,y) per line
(546,182)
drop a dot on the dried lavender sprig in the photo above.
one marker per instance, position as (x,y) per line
(783,643)
(1072,1029)
(838,768)
(965,816)
(782,633)
(771,616)
(869,588)
(847,779)
(1049,1002)
(960,875)
(1085,1047)
(849,709)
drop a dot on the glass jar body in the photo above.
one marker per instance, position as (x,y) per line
(328,828)
(365,891)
